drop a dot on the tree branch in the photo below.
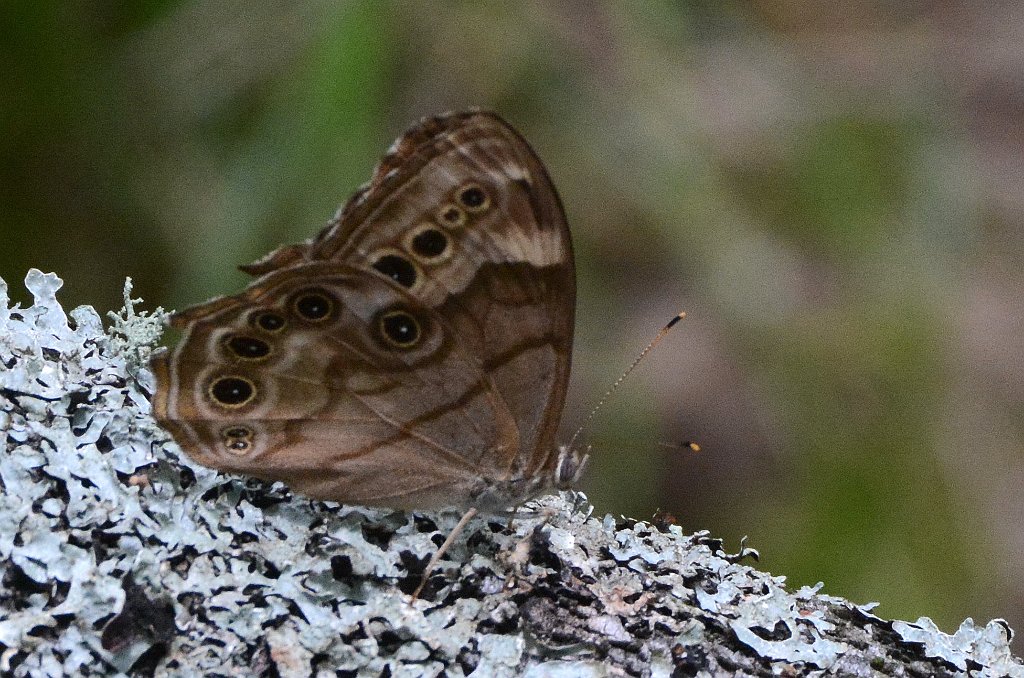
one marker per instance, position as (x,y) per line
(121,555)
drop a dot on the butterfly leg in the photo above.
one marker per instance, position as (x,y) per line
(512,517)
(436,558)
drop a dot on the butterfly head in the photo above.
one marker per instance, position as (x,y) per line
(571,465)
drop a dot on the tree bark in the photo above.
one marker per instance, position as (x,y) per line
(120,555)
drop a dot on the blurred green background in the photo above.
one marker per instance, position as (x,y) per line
(832,191)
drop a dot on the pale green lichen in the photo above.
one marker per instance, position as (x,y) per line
(134,334)
(984,650)
(120,555)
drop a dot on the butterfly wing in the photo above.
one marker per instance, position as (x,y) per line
(501,270)
(462,222)
(506,277)
(338,383)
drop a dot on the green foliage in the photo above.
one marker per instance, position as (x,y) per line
(840,191)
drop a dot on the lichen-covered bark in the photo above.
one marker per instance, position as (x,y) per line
(120,555)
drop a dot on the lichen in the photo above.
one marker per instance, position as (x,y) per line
(118,554)
(985,651)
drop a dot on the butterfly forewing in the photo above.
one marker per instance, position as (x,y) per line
(508,286)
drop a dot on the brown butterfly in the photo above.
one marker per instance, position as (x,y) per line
(414,354)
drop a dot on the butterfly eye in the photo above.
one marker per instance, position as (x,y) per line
(451,216)
(400,329)
(268,321)
(474,198)
(313,305)
(247,348)
(397,268)
(232,392)
(429,243)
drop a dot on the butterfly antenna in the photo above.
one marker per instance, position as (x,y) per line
(685,445)
(636,361)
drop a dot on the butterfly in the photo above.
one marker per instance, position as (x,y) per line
(414,354)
